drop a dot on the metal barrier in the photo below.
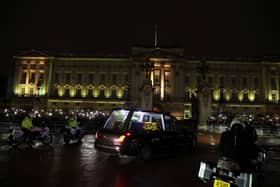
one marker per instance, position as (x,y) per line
(262,130)
(54,126)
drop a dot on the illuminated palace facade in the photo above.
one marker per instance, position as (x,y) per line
(106,82)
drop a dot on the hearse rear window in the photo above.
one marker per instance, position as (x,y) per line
(116,120)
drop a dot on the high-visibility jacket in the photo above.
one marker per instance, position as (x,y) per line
(27,123)
(73,122)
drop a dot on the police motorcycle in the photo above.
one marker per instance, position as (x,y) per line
(37,134)
(227,173)
(72,133)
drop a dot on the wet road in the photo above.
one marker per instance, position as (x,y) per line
(79,165)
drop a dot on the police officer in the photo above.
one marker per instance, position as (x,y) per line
(26,126)
(237,145)
(73,123)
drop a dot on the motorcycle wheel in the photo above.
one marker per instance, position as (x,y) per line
(48,139)
(11,141)
(67,139)
(80,138)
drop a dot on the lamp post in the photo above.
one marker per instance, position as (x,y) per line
(39,83)
(146,90)
(148,67)
(203,69)
(37,99)
(203,94)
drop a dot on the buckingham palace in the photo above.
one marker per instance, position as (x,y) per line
(108,81)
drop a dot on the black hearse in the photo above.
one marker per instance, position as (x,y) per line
(132,132)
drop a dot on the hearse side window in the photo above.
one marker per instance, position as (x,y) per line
(169,123)
(145,121)
(158,121)
(146,118)
(136,122)
(116,120)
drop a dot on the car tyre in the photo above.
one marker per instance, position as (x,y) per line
(146,153)
(194,142)
(67,139)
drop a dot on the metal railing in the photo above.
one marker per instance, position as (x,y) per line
(262,130)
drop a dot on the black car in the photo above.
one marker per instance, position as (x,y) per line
(132,132)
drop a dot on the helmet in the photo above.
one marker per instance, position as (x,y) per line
(73,117)
(30,115)
(237,122)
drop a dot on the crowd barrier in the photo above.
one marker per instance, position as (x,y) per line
(91,127)
(262,130)
(55,126)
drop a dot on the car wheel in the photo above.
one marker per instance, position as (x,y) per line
(146,153)
(194,142)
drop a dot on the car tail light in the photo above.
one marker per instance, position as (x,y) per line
(122,137)
(96,135)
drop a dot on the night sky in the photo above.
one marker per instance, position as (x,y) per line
(217,28)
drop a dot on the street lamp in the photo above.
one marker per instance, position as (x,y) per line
(39,83)
(204,94)
(148,67)
(203,69)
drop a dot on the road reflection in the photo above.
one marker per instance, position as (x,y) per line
(80,165)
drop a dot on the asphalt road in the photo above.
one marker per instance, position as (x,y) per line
(80,165)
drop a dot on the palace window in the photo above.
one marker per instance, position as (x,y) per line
(222,82)
(23,91)
(187,80)
(167,78)
(114,94)
(102,93)
(256,83)
(56,77)
(244,83)
(32,78)
(68,77)
(33,66)
(41,77)
(23,78)
(198,80)
(31,91)
(273,83)
(80,78)
(233,82)
(210,81)
(114,78)
(126,77)
(91,78)
(102,78)
(24,66)
(157,77)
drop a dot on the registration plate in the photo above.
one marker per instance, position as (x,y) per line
(220,183)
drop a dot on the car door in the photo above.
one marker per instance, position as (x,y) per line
(170,133)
